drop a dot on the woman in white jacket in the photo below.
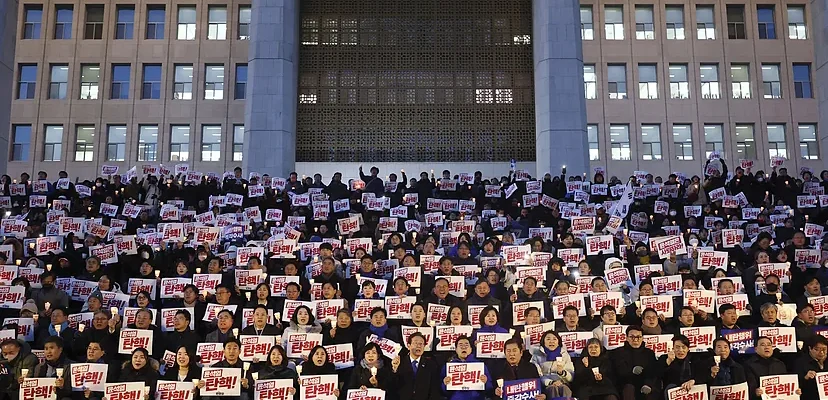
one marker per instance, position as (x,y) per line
(302,321)
(555,365)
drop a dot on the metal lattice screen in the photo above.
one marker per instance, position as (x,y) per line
(416,81)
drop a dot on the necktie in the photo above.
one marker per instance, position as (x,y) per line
(414,367)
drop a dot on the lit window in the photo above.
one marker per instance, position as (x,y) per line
(713,140)
(808,145)
(186,22)
(770,81)
(210,143)
(620,142)
(745,143)
(777,146)
(709,74)
(740,81)
(84,143)
(705,23)
(238,142)
(116,143)
(590,82)
(592,138)
(52,145)
(179,143)
(679,85)
(683,140)
(647,82)
(217,23)
(614,22)
(651,139)
(244,22)
(587,30)
(183,87)
(90,75)
(675,22)
(214,82)
(644,27)
(797,28)
(148,143)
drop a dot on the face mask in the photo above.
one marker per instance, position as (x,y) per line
(772,287)
(672,213)
(98,184)
(694,242)
(202,257)
(145,255)
(760,179)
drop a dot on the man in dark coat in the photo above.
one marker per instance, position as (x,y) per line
(634,363)
(516,367)
(418,373)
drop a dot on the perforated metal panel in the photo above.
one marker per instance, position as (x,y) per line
(408,81)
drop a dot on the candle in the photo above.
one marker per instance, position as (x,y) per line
(717,359)
(638,304)
(235,332)
(59,372)
(198,270)
(57,329)
(17,262)
(595,371)
(500,383)
(114,311)
(373,371)
(246,366)
(195,382)
(255,376)
(247,294)
(48,267)
(81,327)
(46,305)
(298,370)
(24,372)
(157,273)
(146,391)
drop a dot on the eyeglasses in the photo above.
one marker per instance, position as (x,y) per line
(635,337)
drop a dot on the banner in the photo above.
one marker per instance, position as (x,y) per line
(447,335)
(779,387)
(174,390)
(210,353)
(697,392)
(124,391)
(367,394)
(700,299)
(90,376)
(221,381)
(272,389)
(465,376)
(300,344)
(131,339)
(614,336)
(519,310)
(341,355)
(491,345)
(701,338)
(256,347)
(37,389)
(318,387)
(730,392)
(783,338)
(521,389)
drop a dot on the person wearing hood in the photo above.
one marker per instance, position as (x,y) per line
(185,368)
(15,359)
(374,371)
(555,365)
(54,359)
(49,293)
(277,366)
(463,354)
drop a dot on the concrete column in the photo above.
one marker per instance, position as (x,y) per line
(272,92)
(8,39)
(818,31)
(560,107)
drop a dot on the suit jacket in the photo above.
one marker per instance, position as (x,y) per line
(425,385)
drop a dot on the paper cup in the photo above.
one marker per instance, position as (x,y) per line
(595,371)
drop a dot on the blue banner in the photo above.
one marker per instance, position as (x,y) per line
(524,389)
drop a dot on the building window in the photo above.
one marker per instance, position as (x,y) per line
(776,141)
(651,137)
(590,82)
(736,22)
(614,22)
(740,80)
(148,143)
(90,81)
(765,21)
(126,20)
(116,143)
(238,142)
(210,142)
(713,140)
(644,28)
(647,82)
(120,82)
(94,22)
(770,81)
(679,84)
(587,30)
(620,142)
(617,81)
(151,85)
(26,81)
(683,139)
(63,21)
(244,22)
(592,138)
(802,81)
(745,144)
(183,89)
(709,74)
(59,82)
(179,143)
(214,82)
(217,23)
(52,146)
(675,22)
(21,139)
(241,81)
(186,22)
(84,143)
(156,20)
(705,23)
(808,145)
(797,29)
(33,15)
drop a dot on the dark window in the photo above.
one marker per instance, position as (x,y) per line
(33,15)
(736,22)
(126,21)
(94,22)
(63,21)
(151,86)
(802,81)
(27,81)
(120,82)
(20,142)
(767,26)
(156,17)
(241,81)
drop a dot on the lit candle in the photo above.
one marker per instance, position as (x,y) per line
(235,332)
(114,311)
(246,366)
(46,305)
(247,294)
(299,370)
(195,382)
(48,267)
(198,270)
(157,273)
(255,376)
(373,371)
(81,327)
(57,329)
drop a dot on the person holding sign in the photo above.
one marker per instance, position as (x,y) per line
(58,325)
(302,321)
(811,364)
(277,366)
(232,348)
(374,370)
(181,334)
(679,368)
(555,365)
(463,354)
(141,368)
(185,368)
(378,326)
(317,363)
(516,367)
(95,355)
(764,363)
(594,373)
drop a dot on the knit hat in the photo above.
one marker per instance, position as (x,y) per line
(29,306)
(96,294)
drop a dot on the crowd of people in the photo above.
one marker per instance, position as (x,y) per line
(454,287)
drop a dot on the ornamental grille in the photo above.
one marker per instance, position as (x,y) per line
(416,81)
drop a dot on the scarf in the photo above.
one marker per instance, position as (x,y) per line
(63,327)
(492,329)
(379,331)
(552,355)
(364,364)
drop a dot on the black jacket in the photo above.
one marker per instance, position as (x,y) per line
(757,366)
(680,371)
(584,383)
(175,339)
(809,386)
(425,385)
(626,358)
